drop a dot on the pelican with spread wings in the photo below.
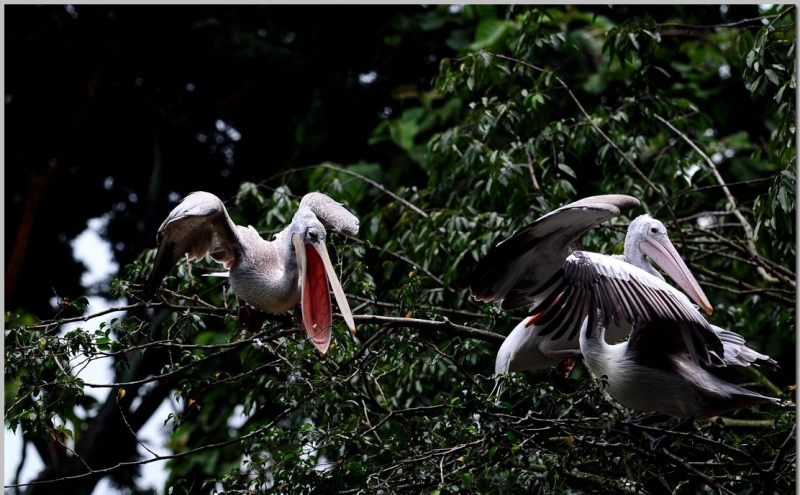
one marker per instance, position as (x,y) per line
(271,275)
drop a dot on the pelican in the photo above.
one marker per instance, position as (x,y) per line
(526,348)
(654,370)
(272,275)
(526,268)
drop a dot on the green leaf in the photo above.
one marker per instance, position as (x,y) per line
(489,34)
(632,37)
(779,95)
(744,43)
(567,170)
(772,76)
(751,58)
(783,199)
(755,84)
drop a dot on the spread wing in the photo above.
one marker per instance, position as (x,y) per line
(199,225)
(613,291)
(516,268)
(737,353)
(657,343)
(332,214)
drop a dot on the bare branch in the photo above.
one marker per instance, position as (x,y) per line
(378,186)
(756,21)
(441,326)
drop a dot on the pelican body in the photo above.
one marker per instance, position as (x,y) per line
(664,365)
(655,370)
(536,266)
(273,276)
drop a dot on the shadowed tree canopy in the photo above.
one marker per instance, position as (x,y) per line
(444,129)
(142,105)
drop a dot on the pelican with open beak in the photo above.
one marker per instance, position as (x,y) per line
(273,276)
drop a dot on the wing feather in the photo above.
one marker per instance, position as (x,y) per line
(331,213)
(199,225)
(737,353)
(514,269)
(620,291)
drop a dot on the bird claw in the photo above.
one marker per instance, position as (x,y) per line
(660,442)
(633,420)
(250,318)
(564,368)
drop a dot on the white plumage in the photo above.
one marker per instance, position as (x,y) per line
(272,275)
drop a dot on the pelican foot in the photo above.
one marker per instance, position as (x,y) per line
(647,419)
(633,420)
(564,368)
(661,442)
(250,318)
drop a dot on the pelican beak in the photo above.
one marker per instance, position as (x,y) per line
(316,271)
(338,292)
(664,254)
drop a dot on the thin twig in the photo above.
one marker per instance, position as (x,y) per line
(424,270)
(199,309)
(202,448)
(442,326)
(375,184)
(723,25)
(384,304)
(130,429)
(710,482)
(782,450)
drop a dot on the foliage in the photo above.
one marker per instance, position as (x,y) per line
(536,107)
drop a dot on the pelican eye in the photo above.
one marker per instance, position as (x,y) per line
(654,230)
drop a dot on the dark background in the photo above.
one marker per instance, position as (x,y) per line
(113,110)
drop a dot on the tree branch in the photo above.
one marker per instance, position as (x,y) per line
(600,132)
(376,185)
(748,230)
(441,326)
(179,455)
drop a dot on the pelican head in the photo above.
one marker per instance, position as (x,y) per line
(316,271)
(647,236)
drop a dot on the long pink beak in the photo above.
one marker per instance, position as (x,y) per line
(664,254)
(316,271)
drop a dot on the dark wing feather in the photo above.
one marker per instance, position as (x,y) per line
(654,343)
(514,270)
(737,353)
(198,225)
(662,343)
